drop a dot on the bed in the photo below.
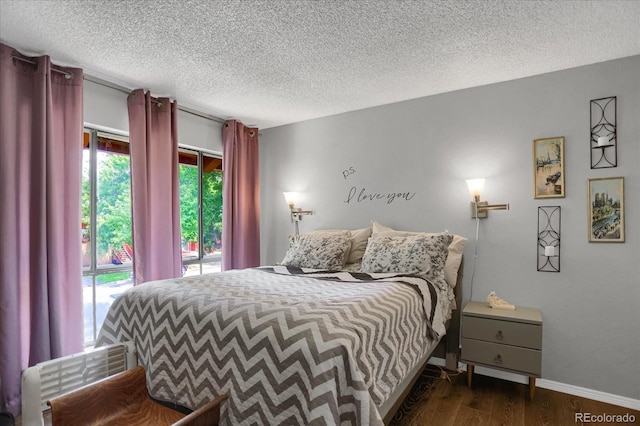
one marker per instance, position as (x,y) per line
(335,334)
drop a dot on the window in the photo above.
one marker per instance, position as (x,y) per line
(200,211)
(107,253)
(106,226)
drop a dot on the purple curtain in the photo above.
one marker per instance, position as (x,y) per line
(155,187)
(40,235)
(241,196)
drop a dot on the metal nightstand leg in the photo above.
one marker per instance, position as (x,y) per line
(469,374)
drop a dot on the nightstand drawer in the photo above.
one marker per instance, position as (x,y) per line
(503,332)
(514,358)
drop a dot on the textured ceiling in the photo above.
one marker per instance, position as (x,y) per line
(270,63)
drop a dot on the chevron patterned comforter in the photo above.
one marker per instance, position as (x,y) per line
(286,345)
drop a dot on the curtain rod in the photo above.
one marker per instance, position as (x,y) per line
(68,75)
(123,89)
(155,101)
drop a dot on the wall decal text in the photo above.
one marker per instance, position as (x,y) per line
(362,195)
(348,172)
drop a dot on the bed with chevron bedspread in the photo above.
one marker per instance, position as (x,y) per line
(288,346)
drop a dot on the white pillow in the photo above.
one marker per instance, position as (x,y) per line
(455,249)
(359,239)
(377,228)
(321,251)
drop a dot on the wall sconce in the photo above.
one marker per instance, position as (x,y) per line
(479,208)
(296,212)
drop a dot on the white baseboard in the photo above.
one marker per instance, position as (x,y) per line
(595,395)
(609,398)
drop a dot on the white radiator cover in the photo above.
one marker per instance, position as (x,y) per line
(52,378)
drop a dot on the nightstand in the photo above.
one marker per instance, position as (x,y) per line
(502,339)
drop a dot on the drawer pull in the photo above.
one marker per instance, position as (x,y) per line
(499,336)
(498,359)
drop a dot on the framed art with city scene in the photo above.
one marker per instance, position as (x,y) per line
(606,210)
(548,167)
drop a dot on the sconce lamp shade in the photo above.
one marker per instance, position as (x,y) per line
(475,187)
(292,198)
(479,208)
(296,212)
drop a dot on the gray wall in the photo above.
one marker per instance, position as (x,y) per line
(428,147)
(105,108)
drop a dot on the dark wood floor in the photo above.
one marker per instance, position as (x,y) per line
(498,402)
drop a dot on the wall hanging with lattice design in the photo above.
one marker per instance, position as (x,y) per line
(549,239)
(604,137)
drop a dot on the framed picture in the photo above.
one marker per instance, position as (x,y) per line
(606,210)
(548,167)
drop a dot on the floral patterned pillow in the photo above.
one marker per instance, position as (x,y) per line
(317,251)
(352,267)
(438,247)
(416,254)
(359,238)
(454,257)
(396,254)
